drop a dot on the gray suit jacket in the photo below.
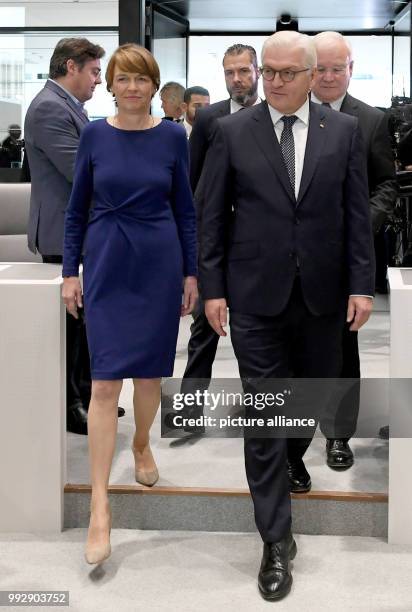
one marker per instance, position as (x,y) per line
(52,131)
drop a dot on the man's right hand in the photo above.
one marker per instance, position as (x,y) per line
(72,295)
(216,313)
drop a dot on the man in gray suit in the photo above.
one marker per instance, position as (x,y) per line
(53,124)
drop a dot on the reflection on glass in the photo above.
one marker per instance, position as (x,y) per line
(169,49)
(24,66)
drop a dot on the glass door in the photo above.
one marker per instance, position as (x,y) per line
(167,38)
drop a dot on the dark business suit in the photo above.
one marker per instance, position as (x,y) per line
(373,124)
(286,267)
(203,339)
(52,131)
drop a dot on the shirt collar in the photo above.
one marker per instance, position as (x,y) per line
(235,106)
(336,104)
(302,113)
(75,100)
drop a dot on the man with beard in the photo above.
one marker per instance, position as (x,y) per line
(195,97)
(241,76)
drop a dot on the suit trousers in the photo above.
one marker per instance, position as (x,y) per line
(78,377)
(201,350)
(342,422)
(272,347)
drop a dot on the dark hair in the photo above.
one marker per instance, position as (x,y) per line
(80,50)
(238,49)
(133,58)
(196,90)
(175,89)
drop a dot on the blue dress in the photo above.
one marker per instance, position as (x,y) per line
(131,212)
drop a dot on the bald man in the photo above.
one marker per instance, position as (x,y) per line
(334,70)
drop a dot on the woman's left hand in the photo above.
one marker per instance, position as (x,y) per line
(190,295)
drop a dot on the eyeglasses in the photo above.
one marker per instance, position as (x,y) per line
(286,75)
(336,70)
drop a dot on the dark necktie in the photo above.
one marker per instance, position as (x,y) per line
(287,145)
(326,104)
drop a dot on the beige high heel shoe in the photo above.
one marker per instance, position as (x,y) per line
(97,553)
(144,477)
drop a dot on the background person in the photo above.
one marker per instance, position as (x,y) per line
(332,79)
(139,250)
(12,146)
(195,97)
(172,95)
(241,76)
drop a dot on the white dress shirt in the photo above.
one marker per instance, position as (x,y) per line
(300,135)
(187,127)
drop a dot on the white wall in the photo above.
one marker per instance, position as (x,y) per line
(59,14)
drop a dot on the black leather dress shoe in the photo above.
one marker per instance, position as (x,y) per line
(275,578)
(339,454)
(192,413)
(299,479)
(76,418)
(195,413)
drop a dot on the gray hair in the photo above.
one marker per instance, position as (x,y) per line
(330,37)
(288,38)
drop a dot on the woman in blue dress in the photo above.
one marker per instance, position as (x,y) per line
(131,214)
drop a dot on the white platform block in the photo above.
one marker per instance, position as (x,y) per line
(33,389)
(400,443)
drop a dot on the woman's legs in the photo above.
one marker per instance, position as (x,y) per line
(102,430)
(146,401)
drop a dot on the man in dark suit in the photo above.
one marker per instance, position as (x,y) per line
(12,146)
(54,121)
(334,71)
(241,76)
(286,243)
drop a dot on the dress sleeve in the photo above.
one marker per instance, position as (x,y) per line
(183,207)
(77,212)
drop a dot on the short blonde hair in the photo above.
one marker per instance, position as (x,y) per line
(288,38)
(133,58)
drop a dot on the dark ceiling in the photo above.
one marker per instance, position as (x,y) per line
(261,15)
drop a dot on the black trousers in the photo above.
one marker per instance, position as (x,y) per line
(201,350)
(381,258)
(78,378)
(341,421)
(273,347)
